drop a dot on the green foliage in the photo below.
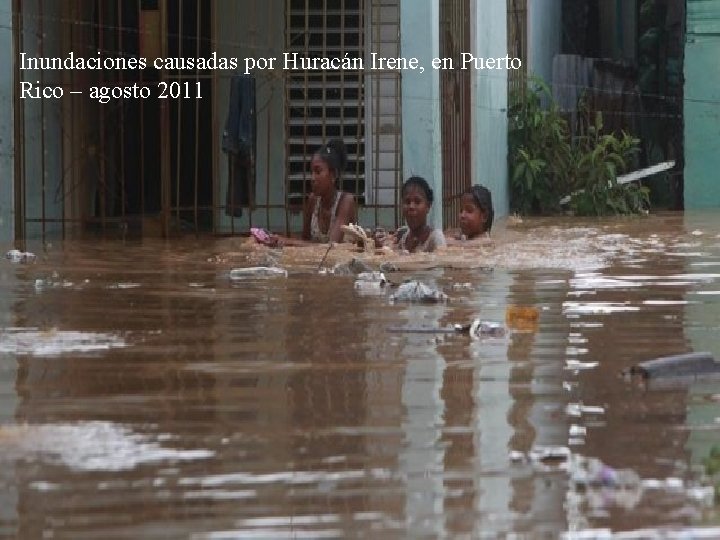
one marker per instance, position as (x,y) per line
(712,468)
(546,164)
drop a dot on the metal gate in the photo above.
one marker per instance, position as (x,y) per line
(96,163)
(455,85)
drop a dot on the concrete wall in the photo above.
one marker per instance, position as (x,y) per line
(7,214)
(702,96)
(43,130)
(489,123)
(544,27)
(257,30)
(420,38)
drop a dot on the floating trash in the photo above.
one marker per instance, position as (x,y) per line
(576,365)
(36,342)
(89,446)
(17,256)
(679,365)
(522,317)
(371,283)
(257,272)
(417,291)
(578,409)
(484,329)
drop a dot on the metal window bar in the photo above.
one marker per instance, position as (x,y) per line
(517,48)
(456,107)
(383,126)
(321,105)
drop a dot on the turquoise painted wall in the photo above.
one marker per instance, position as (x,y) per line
(421,125)
(7,214)
(544,27)
(256,33)
(490,124)
(43,130)
(702,105)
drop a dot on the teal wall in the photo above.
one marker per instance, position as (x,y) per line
(702,105)
(421,125)
(489,122)
(544,28)
(43,129)
(255,31)
(6,126)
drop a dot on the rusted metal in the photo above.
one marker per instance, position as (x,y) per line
(127,161)
(517,47)
(456,107)
(19,114)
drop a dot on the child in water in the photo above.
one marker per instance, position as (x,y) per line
(417,236)
(476,214)
(327,208)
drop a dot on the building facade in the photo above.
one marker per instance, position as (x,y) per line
(93,160)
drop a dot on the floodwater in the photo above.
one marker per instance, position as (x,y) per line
(145,394)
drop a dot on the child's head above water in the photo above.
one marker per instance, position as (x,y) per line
(327,165)
(476,211)
(417,198)
(419,183)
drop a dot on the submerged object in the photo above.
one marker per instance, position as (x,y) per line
(257,272)
(522,317)
(483,329)
(354,267)
(17,256)
(371,283)
(679,365)
(417,291)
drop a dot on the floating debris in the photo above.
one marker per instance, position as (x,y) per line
(417,291)
(354,267)
(522,317)
(680,365)
(371,283)
(257,272)
(52,342)
(17,256)
(483,329)
(576,365)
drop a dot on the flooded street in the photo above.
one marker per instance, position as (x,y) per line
(145,394)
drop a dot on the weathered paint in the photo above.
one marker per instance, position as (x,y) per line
(43,130)
(420,38)
(702,105)
(490,123)
(544,28)
(254,30)
(7,214)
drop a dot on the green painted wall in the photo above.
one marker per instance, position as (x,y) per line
(420,38)
(702,104)
(6,127)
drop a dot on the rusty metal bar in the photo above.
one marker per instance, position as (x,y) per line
(19,113)
(268,127)
(178,105)
(142,120)
(165,154)
(197,115)
(43,172)
(287,81)
(215,127)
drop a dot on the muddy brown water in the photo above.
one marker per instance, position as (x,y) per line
(144,394)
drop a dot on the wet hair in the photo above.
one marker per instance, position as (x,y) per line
(483,200)
(420,182)
(333,153)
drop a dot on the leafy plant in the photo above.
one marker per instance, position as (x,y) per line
(547,164)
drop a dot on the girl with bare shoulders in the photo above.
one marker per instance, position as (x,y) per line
(327,208)
(476,217)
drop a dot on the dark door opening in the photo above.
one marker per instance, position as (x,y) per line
(141,177)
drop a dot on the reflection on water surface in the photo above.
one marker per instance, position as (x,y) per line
(144,393)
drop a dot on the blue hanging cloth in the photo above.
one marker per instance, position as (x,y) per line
(238,142)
